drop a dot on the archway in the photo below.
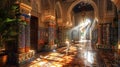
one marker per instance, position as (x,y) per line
(76,2)
(58,12)
(94,19)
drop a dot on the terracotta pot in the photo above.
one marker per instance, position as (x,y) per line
(3,60)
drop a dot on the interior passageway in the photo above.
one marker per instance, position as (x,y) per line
(59,33)
(79,55)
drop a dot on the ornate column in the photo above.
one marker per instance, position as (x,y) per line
(21,44)
(24,36)
(25,54)
(50,20)
(51,34)
(99,34)
(27,34)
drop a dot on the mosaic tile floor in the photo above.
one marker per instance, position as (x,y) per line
(76,57)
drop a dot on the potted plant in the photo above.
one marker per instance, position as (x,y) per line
(9,29)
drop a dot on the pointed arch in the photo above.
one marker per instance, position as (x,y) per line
(77,2)
(58,10)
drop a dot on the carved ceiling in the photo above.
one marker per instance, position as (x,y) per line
(82,7)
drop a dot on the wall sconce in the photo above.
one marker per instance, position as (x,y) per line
(29,14)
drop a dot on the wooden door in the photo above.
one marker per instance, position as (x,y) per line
(34,32)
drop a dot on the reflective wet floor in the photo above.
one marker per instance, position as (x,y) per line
(78,55)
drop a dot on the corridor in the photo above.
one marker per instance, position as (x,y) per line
(59,33)
(79,55)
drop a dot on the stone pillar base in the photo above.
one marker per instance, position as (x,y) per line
(21,50)
(27,49)
(26,57)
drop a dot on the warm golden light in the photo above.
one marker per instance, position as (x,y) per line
(119,46)
(67,23)
(53,59)
(49,17)
(29,14)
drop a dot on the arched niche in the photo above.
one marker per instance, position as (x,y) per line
(58,12)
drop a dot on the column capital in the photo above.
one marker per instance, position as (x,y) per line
(25,8)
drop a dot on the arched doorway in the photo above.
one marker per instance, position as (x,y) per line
(86,14)
(34,33)
(92,3)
